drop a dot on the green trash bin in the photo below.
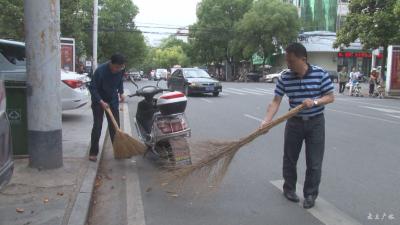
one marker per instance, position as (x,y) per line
(16,93)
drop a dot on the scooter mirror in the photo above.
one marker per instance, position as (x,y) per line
(133,82)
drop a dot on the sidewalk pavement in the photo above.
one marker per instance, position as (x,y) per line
(55,197)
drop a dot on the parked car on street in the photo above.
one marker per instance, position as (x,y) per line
(273,77)
(193,81)
(6,153)
(74,93)
(161,74)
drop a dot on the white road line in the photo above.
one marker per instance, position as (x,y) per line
(367,117)
(398,117)
(382,109)
(134,202)
(253,117)
(258,91)
(266,90)
(365,103)
(206,100)
(233,92)
(249,92)
(223,93)
(323,210)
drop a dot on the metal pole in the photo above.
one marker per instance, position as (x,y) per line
(95,34)
(42,30)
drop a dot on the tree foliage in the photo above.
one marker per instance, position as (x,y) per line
(268,25)
(117,32)
(213,34)
(11,19)
(374,23)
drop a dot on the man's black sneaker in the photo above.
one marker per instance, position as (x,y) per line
(291,196)
(309,202)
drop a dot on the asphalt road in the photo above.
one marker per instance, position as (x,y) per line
(361,171)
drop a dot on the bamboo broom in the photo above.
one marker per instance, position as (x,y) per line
(124,146)
(212,168)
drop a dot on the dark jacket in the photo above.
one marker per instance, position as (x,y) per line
(106,85)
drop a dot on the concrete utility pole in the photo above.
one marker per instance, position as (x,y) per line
(42,33)
(95,32)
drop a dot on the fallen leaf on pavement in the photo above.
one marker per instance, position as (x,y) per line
(149,189)
(60,193)
(45,200)
(174,195)
(19,210)
(164,184)
(108,177)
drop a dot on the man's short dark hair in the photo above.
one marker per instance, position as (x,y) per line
(297,49)
(117,59)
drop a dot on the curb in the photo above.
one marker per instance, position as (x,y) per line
(80,209)
(134,203)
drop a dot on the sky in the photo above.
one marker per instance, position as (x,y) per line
(170,14)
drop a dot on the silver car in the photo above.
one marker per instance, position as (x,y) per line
(6,161)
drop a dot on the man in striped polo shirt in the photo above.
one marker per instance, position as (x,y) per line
(311,85)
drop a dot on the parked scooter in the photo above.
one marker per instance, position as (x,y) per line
(162,125)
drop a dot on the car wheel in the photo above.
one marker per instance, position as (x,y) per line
(275,80)
(215,94)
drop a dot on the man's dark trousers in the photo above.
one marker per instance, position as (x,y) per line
(342,86)
(98,114)
(313,132)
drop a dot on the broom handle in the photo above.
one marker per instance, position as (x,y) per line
(272,124)
(281,119)
(116,127)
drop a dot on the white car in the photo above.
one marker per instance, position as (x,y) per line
(74,93)
(273,77)
(161,74)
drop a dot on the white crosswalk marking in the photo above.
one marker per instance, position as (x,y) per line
(258,91)
(244,91)
(233,92)
(266,90)
(327,213)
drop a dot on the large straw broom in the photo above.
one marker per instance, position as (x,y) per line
(211,169)
(124,145)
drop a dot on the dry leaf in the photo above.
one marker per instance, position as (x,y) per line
(149,189)
(19,210)
(60,193)
(164,184)
(174,195)
(108,177)
(45,200)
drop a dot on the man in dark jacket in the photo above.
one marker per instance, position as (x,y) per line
(107,90)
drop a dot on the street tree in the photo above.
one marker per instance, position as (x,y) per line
(117,32)
(375,23)
(213,34)
(12,19)
(267,26)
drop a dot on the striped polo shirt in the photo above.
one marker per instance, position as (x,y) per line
(315,84)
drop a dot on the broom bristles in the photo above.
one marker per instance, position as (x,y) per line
(125,146)
(212,168)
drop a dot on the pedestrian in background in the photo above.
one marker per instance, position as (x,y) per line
(310,85)
(353,79)
(343,79)
(373,80)
(107,91)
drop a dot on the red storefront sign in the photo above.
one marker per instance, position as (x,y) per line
(358,55)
